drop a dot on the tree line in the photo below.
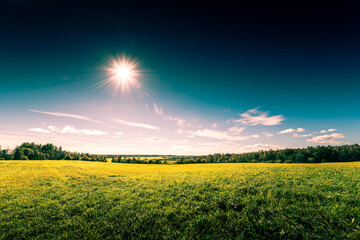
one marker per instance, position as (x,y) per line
(318,154)
(32,151)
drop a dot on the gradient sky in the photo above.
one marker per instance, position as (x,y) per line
(218,77)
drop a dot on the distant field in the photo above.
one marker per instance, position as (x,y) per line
(95,200)
(151,158)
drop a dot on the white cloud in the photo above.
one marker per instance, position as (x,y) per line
(119,133)
(158,110)
(67,115)
(259,146)
(214,125)
(93,132)
(135,124)
(329,130)
(73,130)
(69,129)
(255,117)
(53,128)
(331,138)
(179,121)
(268,134)
(305,135)
(236,129)
(38,130)
(210,133)
(291,130)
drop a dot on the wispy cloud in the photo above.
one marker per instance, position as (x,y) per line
(93,132)
(154,139)
(73,130)
(39,130)
(329,130)
(179,121)
(302,135)
(68,129)
(267,134)
(291,130)
(255,117)
(135,124)
(259,146)
(236,129)
(210,133)
(67,115)
(158,110)
(53,128)
(330,138)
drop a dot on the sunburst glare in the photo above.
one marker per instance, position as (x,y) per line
(124,74)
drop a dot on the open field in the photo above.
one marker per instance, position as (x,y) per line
(95,200)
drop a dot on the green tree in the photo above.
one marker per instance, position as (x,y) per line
(18,153)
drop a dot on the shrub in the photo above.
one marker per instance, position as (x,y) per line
(311,160)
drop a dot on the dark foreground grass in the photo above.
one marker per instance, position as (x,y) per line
(86,200)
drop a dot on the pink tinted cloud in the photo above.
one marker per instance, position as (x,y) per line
(330,138)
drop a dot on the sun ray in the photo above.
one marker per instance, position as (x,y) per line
(124,75)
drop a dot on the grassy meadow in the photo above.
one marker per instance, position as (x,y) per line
(96,200)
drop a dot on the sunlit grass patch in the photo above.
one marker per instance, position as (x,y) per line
(67,199)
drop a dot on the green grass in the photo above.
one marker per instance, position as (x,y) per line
(93,200)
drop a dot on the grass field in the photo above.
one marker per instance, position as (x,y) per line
(94,200)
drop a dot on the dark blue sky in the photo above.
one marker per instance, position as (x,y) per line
(300,60)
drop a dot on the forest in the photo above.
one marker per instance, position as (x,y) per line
(318,154)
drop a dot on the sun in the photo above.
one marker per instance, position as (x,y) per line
(123,74)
